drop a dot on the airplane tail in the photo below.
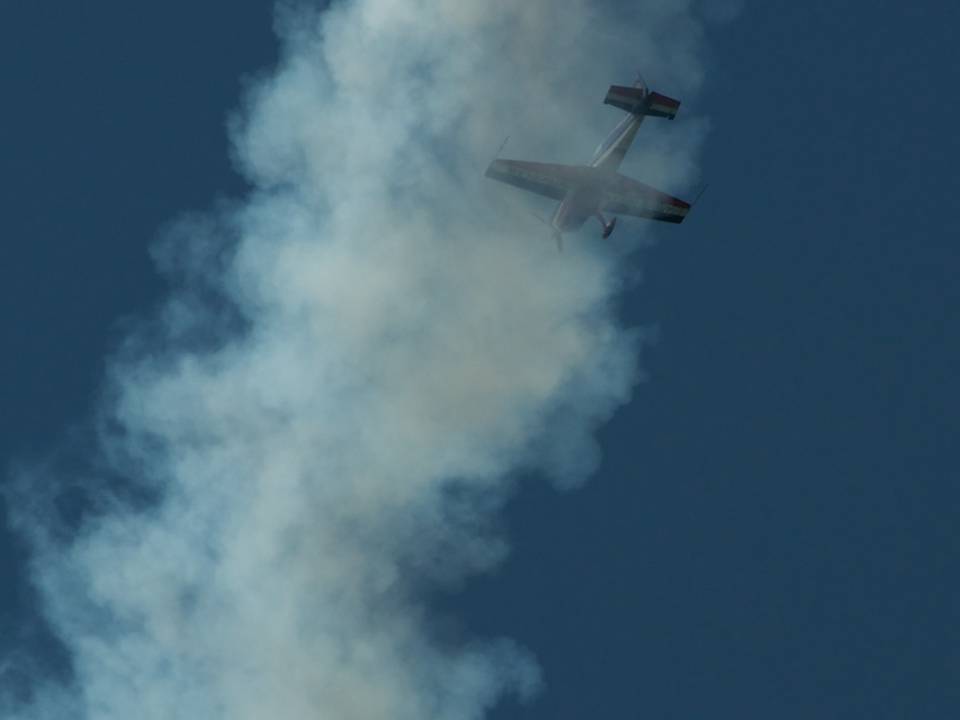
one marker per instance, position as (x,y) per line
(638,100)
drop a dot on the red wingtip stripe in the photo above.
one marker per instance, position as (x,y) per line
(663,100)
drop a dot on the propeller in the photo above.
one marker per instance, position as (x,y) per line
(699,195)
(557,235)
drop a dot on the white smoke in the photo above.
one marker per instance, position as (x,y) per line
(354,360)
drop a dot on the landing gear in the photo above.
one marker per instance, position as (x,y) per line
(607,226)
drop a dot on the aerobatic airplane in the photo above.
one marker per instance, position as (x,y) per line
(590,190)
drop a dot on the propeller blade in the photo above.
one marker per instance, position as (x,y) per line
(557,235)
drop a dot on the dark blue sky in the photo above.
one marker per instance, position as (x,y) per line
(774,530)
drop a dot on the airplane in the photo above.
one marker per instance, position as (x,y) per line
(586,191)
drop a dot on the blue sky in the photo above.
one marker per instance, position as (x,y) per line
(773,528)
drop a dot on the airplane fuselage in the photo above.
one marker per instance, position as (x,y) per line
(575,209)
(583,202)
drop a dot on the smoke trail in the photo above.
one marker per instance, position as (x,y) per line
(325,414)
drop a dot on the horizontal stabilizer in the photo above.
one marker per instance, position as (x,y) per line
(639,101)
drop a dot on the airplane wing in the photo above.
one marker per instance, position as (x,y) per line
(548,179)
(626,196)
